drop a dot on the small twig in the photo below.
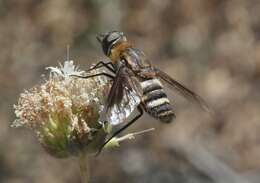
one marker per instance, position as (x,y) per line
(116,140)
(131,136)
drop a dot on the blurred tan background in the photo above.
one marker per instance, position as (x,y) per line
(213,47)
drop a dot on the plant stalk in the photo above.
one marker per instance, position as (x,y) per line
(84,168)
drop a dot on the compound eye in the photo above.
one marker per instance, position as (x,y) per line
(113,37)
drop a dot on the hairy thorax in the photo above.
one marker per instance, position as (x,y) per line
(117,50)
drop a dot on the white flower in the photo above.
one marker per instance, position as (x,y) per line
(64,110)
(66,70)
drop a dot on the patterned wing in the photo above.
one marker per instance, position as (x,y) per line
(187,93)
(124,97)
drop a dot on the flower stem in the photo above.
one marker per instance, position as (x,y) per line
(84,168)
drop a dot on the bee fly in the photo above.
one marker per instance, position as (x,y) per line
(136,84)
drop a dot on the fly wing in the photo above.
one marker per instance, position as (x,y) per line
(187,93)
(124,97)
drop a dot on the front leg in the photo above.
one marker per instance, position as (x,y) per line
(95,75)
(101,64)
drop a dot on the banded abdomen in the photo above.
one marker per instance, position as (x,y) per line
(155,101)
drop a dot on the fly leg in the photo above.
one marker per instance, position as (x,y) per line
(121,129)
(95,75)
(100,64)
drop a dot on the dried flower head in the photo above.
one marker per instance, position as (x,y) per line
(64,111)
